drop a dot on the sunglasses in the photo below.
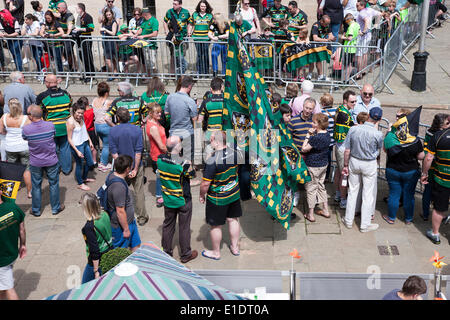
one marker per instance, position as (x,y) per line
(352,101)
(368,94)
(400,116)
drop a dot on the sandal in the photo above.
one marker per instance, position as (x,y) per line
(209,257)
(309,219)
(234,254)
(84,187)
(320,212)
(386,218)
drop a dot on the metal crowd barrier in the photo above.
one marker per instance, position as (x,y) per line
(39,56)
(111,59)
(402,39)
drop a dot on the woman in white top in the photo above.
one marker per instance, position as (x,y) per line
(32,28)
(248,13)
(38,11)
(81,144)
(16,148)
(101,105)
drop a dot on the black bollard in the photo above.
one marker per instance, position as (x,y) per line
(419,76)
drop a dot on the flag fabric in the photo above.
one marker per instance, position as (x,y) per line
(403,132)
(262,54)
(135,43)
(11,175)
(297,55)
(276,164)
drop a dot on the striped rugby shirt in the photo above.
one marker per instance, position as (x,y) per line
(175,181)
(212,112)
(221,170)
(137,110)
(201,25)
(56,104)
(439,146)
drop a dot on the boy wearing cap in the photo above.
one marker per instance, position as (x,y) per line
(362,148)
(126,53)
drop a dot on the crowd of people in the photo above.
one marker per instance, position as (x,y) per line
(106,134)
(55,30)
(49,132)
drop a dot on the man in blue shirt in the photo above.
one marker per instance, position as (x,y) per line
(126,139)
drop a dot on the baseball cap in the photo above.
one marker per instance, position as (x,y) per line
(123,27)
(146,10)
(376,113)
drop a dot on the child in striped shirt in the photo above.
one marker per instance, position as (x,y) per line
(327,101)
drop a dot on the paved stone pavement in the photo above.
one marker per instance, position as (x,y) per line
(56,250)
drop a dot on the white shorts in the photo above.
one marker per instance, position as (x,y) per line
(6,277)
(362,43)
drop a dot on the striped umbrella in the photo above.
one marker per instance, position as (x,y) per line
(148,274)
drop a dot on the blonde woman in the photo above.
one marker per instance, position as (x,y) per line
(315,151)
(96,233)
(16,148)
(218,32)
(250,15)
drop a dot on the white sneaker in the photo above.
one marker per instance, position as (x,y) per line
(65,63)
(309,76)
(323,78)
(25,61)
(345,223)
(371,227)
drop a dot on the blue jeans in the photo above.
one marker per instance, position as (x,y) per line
(88,273)
(64,155)
(36,192)
(335,31)
(158,185)
(202,58)
(81,172)
(402,183)
(219,49)
(103,134)
(56,54)
(37,55)
(15,47)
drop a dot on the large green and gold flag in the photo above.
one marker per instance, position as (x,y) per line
(276,164)
(297,55)
(262,55)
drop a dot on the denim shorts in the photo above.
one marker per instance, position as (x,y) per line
(120,242)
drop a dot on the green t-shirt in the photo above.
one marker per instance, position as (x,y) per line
(11,216)
(124,50)
(56,104)
(103,232)
(353,31)
(245,26)
(148,27)
(160,99)
(182,20)
(201,25)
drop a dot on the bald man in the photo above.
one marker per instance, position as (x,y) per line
(55,103)
(365,101)
(43,158)
(175,181)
